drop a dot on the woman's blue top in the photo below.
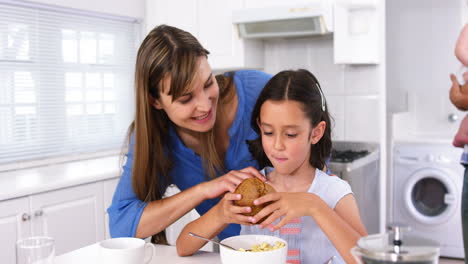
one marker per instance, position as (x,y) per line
(126,208)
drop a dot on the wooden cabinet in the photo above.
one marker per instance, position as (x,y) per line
(210,21)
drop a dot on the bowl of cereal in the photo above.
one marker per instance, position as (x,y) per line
(253,249)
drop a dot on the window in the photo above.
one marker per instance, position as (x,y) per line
(66,81)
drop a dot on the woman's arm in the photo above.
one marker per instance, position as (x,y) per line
(129,216)
(158,215)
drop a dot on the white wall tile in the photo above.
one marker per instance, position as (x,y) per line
(351,91)
(336,110)
(330,75)
(361,118)
(284,54)
(361,80)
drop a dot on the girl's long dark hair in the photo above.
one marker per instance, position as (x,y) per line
(300,86)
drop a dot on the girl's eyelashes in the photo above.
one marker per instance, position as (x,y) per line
(289,135)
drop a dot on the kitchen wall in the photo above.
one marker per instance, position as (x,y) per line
(421,36)
(353,92)
(134,8)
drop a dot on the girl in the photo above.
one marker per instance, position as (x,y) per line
(315,213)
(187,131)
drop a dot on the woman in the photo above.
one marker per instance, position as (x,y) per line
(187,131)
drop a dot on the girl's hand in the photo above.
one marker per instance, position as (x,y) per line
(232,214)
(228,182)
(289,205)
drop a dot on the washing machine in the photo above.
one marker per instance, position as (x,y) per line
(426,193)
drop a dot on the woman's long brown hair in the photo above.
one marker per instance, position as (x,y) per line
(167,52)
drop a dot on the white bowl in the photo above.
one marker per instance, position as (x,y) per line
(229,256)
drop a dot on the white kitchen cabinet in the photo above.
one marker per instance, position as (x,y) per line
(14,224)
(357,32)
(72,216)
(210,21)
(109,189)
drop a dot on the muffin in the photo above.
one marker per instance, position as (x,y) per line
(251,189)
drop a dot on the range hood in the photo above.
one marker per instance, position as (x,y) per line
(314,18)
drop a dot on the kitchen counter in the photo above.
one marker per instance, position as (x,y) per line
(23,182)
(450,261)
(165,254)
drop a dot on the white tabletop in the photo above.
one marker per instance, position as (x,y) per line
(164,254)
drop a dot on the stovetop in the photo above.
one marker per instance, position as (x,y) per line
(347,155)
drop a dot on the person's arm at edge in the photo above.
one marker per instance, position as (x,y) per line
(461,138)
(461,48)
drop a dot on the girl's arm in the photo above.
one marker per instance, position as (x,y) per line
(208,225)
(461,48)
(211,224)
(342,226)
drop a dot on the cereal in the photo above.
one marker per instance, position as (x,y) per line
(264,247)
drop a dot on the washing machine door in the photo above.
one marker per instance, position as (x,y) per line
(430,196)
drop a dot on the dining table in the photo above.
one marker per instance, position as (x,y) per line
(163,254)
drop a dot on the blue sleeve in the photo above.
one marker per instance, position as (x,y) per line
(126,208)
(251,83)
(254,82)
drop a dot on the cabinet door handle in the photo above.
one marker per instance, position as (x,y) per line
(25,217)
(38,213)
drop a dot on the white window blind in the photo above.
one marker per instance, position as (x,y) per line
(66,81)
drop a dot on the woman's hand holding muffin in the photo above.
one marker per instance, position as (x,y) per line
(228,182)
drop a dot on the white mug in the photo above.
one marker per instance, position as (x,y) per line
(125,250)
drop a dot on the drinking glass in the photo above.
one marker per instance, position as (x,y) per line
(35,250)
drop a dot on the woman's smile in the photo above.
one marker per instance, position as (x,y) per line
(201,119)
